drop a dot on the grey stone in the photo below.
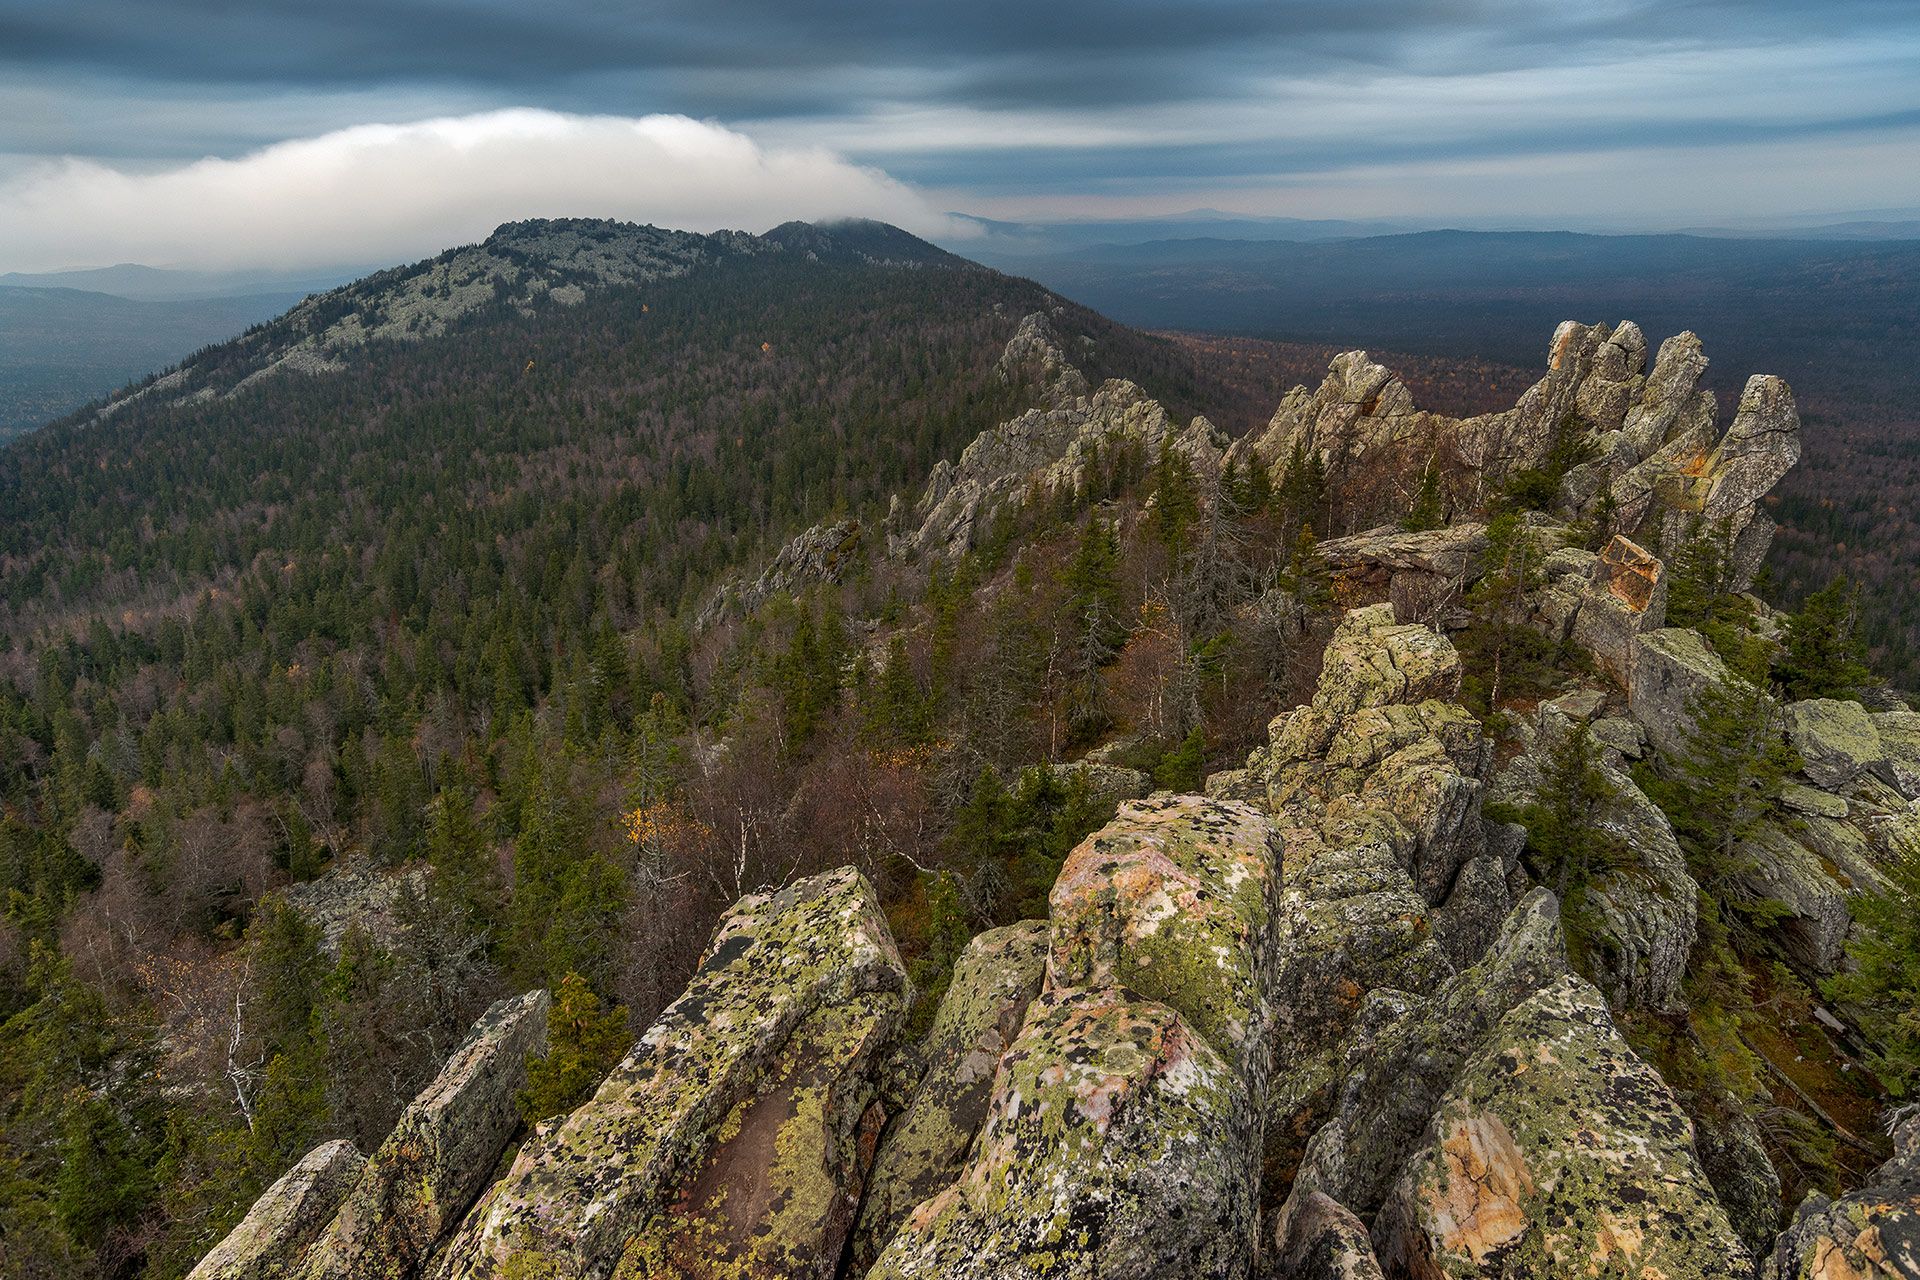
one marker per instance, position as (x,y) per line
(273,1237)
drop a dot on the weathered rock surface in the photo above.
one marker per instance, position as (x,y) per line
(1671,667)
(273,1237)
(763,1066)
(1117,1145)
(1320,1239)
(440,1153)
(925,1148)
(1643,913)
(821,554)
(1175,901)
(1557,1152)
(1872,1233)
(355,892)
(1626,596)
(1405,1052)
(1837,741)
(1106,783)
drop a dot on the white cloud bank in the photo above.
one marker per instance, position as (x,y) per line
(389,193)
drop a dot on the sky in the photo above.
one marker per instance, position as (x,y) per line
(284,134)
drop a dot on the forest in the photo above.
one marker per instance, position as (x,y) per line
(437,621)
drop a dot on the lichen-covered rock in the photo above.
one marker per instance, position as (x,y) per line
(1404,1053)
(1175,901)
(1117,1145)
(1837,742)
(1318,1238)
(440,1153)
(925,1148)
(1872,1233)
(812,964)
(270,1241)
(1671,667)
(1899,734)
(1372,661)
(1557,1152)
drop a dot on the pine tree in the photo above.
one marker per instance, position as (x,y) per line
(1307,577)
(1429,506)
(1822,658)
(1696,583)
(584,1041)
(1180,769)
(1564,833)
(1176,501)
(1884,985)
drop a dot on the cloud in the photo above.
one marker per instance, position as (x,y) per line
(381,193)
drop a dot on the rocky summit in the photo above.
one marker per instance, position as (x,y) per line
(1413,989)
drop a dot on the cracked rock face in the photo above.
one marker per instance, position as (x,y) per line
(1872,1233)
(1557,1152)
(1118,1144)
(811,966)
(925,1148)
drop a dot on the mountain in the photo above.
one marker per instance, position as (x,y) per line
(845,763)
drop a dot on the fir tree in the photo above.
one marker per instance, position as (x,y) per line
(1429,505)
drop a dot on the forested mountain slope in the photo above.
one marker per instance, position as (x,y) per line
(384,742)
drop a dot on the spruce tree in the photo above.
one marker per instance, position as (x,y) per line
(1884,985)
(1823,656)
(584,1041)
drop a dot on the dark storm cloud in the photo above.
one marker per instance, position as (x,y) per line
(1400,104)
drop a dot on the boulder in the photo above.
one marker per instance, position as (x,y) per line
(289,1215)
(440,1153)
(1671,667)
(1320,1239)
(1557,1151)
(763,1071)
(1871,1233)
(1175,900)
(1899,734)
(1837,742)
(925,1147)
(1118,1144)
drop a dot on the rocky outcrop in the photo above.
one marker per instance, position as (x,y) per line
(439,1156)
(1838,743)
(1625,596)
(821,554)
(1175,901)
(1557,1152)
(925,1148)
(1640,910)
(1118,1145)
(1130,1099)
(1671,668)
(1421,574)
(739,1126)
(1046,450)
(353,893)
(1107,784)
(273,1237)
(1873,1233)
(1404,1053)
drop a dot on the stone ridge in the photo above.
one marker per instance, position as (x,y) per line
(577,1195)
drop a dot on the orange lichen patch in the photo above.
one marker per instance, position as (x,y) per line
(1632,573)
(1479,1206)
(1696,464)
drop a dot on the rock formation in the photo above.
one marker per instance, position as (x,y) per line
(271,1240)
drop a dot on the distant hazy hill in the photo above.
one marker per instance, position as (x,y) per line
(61,347)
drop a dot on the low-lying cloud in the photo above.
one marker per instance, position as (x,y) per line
(379,193)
